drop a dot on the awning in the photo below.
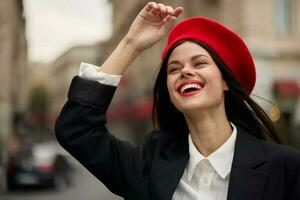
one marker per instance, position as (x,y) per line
(287,88)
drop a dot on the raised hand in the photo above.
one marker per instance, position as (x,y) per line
(152,23)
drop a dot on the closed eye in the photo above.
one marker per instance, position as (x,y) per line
(200,64)
(174,70)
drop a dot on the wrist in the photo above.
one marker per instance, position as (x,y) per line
(130,44)
(121,58)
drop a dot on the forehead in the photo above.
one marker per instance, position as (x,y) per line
(187,50)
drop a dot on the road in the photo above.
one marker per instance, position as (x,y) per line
(85,186)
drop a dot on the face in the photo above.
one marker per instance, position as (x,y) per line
(194,81)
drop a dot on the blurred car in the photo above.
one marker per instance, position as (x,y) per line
(42,165)
(2,169)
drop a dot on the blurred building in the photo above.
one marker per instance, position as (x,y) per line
(64,68)
(13,63)
(271,29)
(13,70)
(57,75)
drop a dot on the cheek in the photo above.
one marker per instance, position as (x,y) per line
(217,78)
(170,84)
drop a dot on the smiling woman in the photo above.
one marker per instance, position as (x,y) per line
(212,141)
(194,82)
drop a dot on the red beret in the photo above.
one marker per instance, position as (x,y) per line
(227,44)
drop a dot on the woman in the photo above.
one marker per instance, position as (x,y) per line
(211,141)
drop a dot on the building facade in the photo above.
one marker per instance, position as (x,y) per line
(13,71)
(13,63)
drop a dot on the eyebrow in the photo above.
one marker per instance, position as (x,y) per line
(173,62)
(192,59)
(197,56)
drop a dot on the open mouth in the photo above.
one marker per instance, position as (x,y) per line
(190,87)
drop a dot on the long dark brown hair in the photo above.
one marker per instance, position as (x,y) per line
(240,108)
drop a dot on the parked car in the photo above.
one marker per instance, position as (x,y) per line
(42,165)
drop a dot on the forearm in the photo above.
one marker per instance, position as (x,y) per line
(120,59)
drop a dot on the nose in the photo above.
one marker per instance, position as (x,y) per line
(187,71)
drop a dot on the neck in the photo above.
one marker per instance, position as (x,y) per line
(209,130)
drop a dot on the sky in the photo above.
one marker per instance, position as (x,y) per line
(54,26)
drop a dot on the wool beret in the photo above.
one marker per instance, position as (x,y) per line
(229,47)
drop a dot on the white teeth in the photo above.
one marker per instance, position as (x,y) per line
(187,86)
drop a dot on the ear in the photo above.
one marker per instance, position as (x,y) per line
(225,86)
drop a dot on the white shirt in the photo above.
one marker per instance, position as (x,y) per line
(204,178)
(207,178)
(90,72)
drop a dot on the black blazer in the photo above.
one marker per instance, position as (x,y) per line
(260,170)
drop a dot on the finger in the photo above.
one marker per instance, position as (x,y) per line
(150,6)
(162,10)
(170,10)
(154,8)
(178,11)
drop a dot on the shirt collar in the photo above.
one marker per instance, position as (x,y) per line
(221,159)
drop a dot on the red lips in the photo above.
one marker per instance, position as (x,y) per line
(197,85)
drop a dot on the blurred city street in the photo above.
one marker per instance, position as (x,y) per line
(85,186)
(43,44)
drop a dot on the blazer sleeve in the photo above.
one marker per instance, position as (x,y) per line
(80,129)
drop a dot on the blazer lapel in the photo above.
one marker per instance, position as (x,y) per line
(246,181)
(168,169)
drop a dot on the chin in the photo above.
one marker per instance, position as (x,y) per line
(198,106)
(190,107)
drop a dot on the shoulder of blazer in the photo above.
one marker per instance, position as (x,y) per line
(252,148)
(286,158)
(257,162)
(276,151)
